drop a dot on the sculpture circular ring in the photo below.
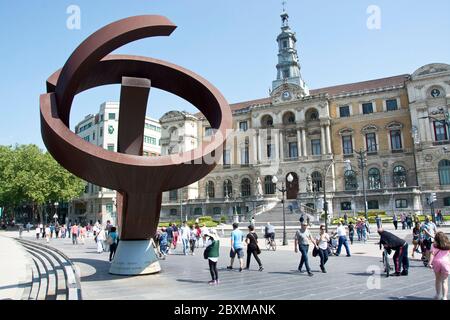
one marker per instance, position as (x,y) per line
(89,67)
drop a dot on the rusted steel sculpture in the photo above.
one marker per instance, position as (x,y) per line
(139,180)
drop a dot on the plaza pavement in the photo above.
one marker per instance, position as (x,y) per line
(186,277)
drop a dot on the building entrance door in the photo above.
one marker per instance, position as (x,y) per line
(292,187)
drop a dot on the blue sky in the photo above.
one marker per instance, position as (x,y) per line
(229,42)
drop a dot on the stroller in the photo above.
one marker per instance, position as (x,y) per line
(332,246)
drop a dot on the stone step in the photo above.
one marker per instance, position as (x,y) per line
(43,275)
(36,281)
(62,280)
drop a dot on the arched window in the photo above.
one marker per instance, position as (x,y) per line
(374,179)
(289,118)
(316,178)
(269,186)
(227,189)
(245,187)
(173,195)
(399,177)
(350,180)
(267,121)
(210,189)
(444,172)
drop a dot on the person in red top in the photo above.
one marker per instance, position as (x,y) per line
(74,232)
(198,234)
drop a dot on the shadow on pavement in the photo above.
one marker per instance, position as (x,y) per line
(191,281)
(410,298)
(101,270)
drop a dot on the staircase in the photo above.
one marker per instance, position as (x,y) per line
(275,214)
(52,276)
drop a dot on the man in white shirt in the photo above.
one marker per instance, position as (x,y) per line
(185,235)
(341,232)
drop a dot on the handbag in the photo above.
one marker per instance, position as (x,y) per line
(315,252)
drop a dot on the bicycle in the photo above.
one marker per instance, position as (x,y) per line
(271,244)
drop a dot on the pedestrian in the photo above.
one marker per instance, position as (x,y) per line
(20,230)
(175,236)
(237,247)
(403,220)
(204,231)
(47,233)
(100,238)
(192,238)
(395,221)
(378,221)
(157,239)
(52,231)
(427,230)
(341,232)
(212,254)
(169,231)
(38,232)
(252,247)
(57,230)
(198,234)
(185,236)
(322,241)
(440,263)
(391,242)
(41,227)
(416,238)
(28,227)
(163,242)
(302,239)
(351,231)
(74,234)
(113,241)
(82,234)
(345,218)
(359,227)
(108,227)
(409,221)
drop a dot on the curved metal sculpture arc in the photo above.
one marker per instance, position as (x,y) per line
(139,180)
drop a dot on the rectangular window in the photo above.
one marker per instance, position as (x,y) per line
(102,117)
(447,202)
(293,150)
(270,151)
(367,108)
(372,205)
(371,142)
(109,207)
(315,147)
(346,206)
(173,195)
(87,138)
(112,116)
(401,203)
(243,126)
(110,147)
(396,140)
(209,131)
(440,131)
(101,132)
(285,44)
(150,140)
(244,156)
(285,74)
(391,105)
(226,158)
(347,145)
(344,111)
(93,136)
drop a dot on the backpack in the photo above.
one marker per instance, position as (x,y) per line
(110,240)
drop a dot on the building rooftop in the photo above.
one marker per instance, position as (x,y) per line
(333,90)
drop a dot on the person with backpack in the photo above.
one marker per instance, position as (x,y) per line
(252,247)
(212,254)
(113,241)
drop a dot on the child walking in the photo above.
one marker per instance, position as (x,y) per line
(439,262)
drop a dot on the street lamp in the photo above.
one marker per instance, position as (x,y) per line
(283,190)
(362,158)
(56,212)
(325,203)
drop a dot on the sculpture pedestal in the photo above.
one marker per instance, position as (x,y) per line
(135,257)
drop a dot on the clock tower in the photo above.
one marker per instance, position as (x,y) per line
(288,67)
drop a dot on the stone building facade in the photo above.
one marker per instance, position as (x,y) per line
(315,136)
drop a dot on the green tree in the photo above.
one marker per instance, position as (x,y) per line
(33,177)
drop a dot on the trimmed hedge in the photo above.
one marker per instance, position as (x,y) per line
(206,220)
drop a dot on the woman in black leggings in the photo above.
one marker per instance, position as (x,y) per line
(252,247)
(212,253)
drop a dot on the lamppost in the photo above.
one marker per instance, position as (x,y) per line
(325,203)
(56,212)
(362,164)
(283,190)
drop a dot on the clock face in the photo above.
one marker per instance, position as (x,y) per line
(286,95)
(435,93)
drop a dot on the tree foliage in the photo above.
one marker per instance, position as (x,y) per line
(30,176)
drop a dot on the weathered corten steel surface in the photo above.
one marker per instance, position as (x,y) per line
(139,180)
